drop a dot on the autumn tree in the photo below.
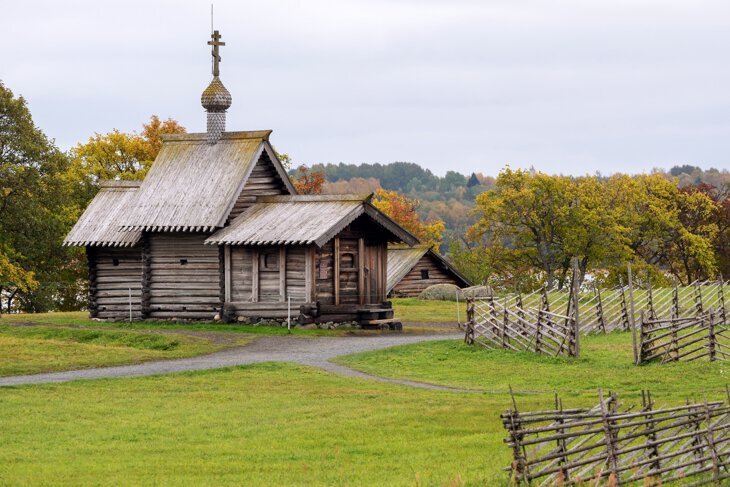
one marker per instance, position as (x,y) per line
(34,209)
(403,210)
(118,155)
(308,181)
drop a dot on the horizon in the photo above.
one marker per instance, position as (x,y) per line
(465,87)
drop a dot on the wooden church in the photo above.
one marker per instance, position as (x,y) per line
(216,228)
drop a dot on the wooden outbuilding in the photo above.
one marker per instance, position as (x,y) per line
(413,269)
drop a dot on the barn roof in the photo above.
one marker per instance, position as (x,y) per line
(301,219)
(193,185)
(402,259)
(98,224)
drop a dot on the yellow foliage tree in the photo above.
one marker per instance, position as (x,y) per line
(403,210)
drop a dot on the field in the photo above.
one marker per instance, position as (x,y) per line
(283,424)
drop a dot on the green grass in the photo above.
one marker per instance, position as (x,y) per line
(81,319)
(606,362)
(266,424)
(427,311)
(36,349)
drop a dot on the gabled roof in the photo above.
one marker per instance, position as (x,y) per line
(402,259)
(98,224)
(301,219)
(192,185)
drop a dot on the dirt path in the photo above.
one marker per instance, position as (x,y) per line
(315,352)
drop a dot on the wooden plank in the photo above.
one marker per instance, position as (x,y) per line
(361,270)
(337,270)
(282,273)
(308,273)
(227,266)
(254,275)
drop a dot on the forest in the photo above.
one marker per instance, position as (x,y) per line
(515,229)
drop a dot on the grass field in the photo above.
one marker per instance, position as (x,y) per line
(268,424)
(36,349)
(417,310)
(282,424)
(606,362)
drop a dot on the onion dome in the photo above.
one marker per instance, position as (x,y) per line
(216,98)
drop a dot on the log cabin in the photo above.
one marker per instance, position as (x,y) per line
(216,228)
(413,269)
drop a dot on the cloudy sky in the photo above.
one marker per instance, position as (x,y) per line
(564,86)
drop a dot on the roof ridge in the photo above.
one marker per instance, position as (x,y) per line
(203,136)
(312,198)
(119,183)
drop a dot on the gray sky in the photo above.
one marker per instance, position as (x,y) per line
(564,86)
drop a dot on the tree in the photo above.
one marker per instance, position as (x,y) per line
(35,209)
(117,155)
(403,210)
(308,181)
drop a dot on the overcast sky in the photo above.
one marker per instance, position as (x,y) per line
(564,86)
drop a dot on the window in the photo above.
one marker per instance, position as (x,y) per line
(115,262)
(424,274)
(183,261)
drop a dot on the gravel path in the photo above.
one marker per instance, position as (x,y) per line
(302,350)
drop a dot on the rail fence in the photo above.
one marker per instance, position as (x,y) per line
(684,339)
(608,445)
(495,324)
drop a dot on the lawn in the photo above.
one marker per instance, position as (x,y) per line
(283,424)
(81,319)
(606,362)
(433,311)
(265,424)
(43,348)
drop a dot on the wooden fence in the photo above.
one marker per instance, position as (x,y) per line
(605,445)
(685,339)
(608,310)
(495,324)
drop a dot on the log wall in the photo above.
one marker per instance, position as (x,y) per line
(264,181)
(413,283)
(184,276)
(281,274)
(116,272)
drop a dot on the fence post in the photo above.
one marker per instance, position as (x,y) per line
(711,337)
(576,315)
(130,304)
(561,442)
(469,325)
(650,304)
(675,302)
(633,316)
(520,459)
(650,431)
(698,299)
(611,456)
(599,309)
(538,332)
(710,437)
(723,312)
(505,319)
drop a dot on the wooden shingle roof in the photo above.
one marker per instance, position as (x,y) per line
(192,185)
(402,259)
(98,224)
(300,219)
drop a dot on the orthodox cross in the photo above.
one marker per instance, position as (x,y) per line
(216,42)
